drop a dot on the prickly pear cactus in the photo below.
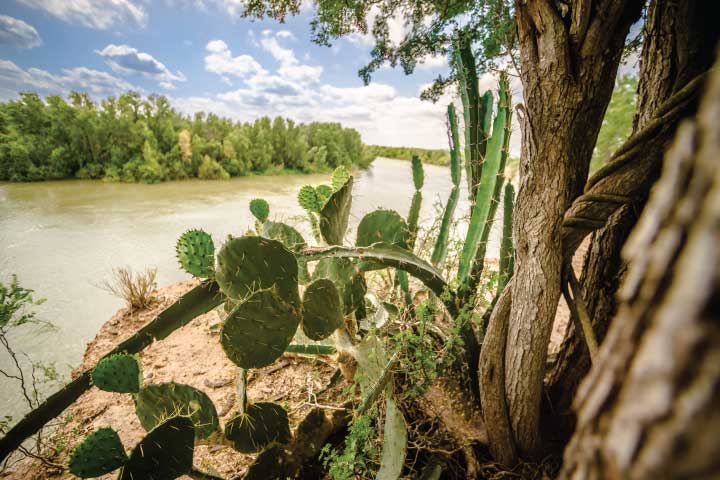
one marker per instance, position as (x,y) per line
(260,209)
(156,402)
(100,453)
(340,177)
(166,452)
(258,330)
(335,214)
(347,278)
(323,193)
(262,424)
(266,466)
(195,251)
(308,199)
(284,233)
(248,264)
(118,373)
(384,226)
(322,309)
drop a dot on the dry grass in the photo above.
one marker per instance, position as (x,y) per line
(138,290)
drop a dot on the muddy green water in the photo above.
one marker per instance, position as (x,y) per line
(64,238)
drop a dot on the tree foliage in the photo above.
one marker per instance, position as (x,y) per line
(430,29)
(135,139)
(617,124)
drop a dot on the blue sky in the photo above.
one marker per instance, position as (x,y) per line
(203,56)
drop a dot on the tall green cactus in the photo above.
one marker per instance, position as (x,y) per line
(507,250)
(480,219)
(441,244)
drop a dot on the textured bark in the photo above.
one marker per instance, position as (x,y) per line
(568,71)
(649,406)
(492,379)
(677,49)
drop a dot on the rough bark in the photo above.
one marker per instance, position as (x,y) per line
(492,379)
(568,71)
(677,50)
(649,406)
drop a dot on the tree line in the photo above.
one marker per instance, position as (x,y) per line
(433,157)
(136,139)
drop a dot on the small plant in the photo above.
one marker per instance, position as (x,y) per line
(138,290)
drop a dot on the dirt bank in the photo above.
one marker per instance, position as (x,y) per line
(191,355)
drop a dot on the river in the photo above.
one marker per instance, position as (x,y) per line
(63,238)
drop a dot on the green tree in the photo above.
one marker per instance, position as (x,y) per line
(618,121)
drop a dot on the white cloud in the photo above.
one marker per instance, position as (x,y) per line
(167,85)
(221,61)
(295,90)
(127,60)
(430,62)
(16,33)
(98,14)
(14,79)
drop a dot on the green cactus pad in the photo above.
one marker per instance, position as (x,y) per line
(269,465)
(323,193)
(258,330)
(418,173)
(118,373)
(284,233)
(195,251)
(260,209)
(345,275)
(308,199)
(335,214)
(292,239)
(248,264)
(384,226)
(340,177)
(322,310)
(262,424)
(100,453)
(164,454)
(156,402)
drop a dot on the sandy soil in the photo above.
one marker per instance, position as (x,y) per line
(191,355)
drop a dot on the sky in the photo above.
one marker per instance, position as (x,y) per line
(203,56)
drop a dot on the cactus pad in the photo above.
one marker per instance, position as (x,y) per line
(340,177)
(100,453)
(418,173)
(248,264)
(165,453)
(382,226)
(269,465)
(345,275)
(195,251)
(118,373)
(335,214)
(284,233)
(322,310)
(323,193)
(308,199)
(156,402)
(262,424)
(258,330)
(260,209)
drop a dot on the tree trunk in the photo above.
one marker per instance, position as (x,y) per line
(679,39)
(649,406)
(568,72)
